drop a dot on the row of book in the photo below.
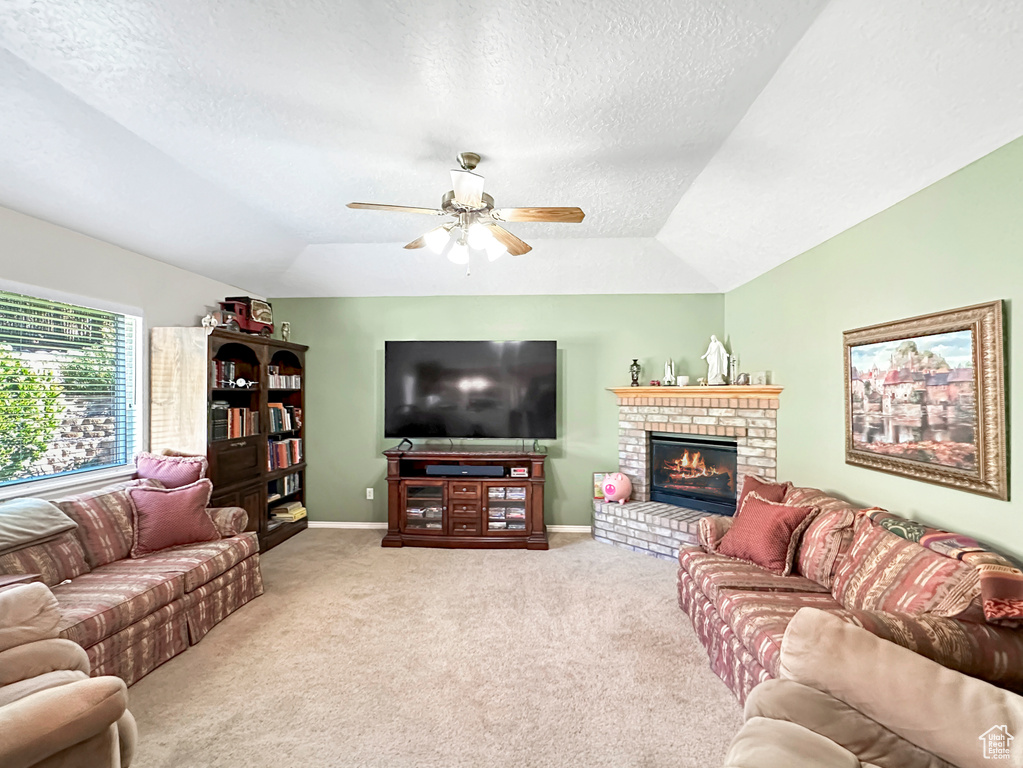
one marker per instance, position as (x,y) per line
(284,417)
(283,486)
(278,380)
(227,422)
(283,453)
(288,512)
(224,373)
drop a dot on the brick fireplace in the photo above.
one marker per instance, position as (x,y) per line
(747,415)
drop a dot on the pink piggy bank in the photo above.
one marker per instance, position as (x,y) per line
(617,487)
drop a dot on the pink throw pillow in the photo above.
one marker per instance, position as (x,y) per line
(172,471)
(766,534)
(167,517)
(773,492)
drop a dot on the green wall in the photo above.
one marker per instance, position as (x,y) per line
(597,338)
(956,243)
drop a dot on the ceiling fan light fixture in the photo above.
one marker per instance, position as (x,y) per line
(494,249)
(479,237)
(459,253)
(437,238)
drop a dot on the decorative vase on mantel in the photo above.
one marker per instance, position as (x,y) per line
(635,369)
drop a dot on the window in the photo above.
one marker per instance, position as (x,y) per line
(69,388)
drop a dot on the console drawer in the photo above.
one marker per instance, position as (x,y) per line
(461,527)
(462,490)
(464,509)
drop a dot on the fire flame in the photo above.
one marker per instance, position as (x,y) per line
(689,465)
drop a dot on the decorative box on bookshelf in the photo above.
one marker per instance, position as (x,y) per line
(239,399)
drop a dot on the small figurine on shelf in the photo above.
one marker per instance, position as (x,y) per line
(669,373)
(634,370)
(209,322)
(286,331)
(717,362)
(617,487)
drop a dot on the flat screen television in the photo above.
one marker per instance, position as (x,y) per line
(465,389)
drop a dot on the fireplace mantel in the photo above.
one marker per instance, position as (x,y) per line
(715,393)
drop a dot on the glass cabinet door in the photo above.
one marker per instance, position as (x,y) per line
(423,507)
(505,508)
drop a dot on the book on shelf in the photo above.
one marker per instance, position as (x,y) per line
(284,486)
(227,422)
(284,418)
(284,453)
(223,373)
(288,512)
(278,380)
(218,420)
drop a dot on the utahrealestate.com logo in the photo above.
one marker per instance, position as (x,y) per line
(997,743)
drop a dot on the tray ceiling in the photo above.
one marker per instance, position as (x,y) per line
(706,141)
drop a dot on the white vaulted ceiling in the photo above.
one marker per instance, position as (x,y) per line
(707,140)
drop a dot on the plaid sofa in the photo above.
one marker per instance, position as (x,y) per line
(132,615)
(922,588)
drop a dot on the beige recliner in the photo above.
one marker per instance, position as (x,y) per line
(52,714)
(846,698)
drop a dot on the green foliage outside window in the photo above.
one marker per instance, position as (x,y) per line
(30,412)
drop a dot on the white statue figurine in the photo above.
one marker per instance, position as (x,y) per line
(717,362)
(669,374)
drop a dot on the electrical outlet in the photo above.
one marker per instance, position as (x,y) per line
(369,493)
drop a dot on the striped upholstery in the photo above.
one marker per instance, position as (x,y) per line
(96,605)
(104,520)
(711,529)
(197,563)
(230,521)
(137,650)
(213,602)
(827,539)
(58,559)
(714,573)
(759,619)
(884,572)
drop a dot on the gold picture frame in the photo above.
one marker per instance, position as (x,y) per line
(925,399)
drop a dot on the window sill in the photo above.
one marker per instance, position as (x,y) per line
(56,487)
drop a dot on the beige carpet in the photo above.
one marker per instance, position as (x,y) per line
(363,656)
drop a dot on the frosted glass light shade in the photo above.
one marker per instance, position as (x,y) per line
(495,250)
(437,238)
(479,237)
(459,253)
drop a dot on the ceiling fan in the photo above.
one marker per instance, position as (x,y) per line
(475,222)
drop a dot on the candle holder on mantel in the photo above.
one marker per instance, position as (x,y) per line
(635,369)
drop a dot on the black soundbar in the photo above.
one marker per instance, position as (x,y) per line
(458,470)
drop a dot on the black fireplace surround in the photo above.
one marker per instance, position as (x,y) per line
(691,471)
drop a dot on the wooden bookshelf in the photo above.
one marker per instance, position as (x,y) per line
(194,379)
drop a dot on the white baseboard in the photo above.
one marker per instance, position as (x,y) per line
(334,524)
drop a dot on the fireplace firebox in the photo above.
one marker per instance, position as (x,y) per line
(694,472)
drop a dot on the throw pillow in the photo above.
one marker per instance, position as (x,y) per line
(167,517)
(766,534)
(172,471)
(884,572)
(773,492)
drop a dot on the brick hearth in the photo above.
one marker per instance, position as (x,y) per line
(748,414)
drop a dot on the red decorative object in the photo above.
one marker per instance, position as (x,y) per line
(243,313)
(166,517)
(773,492)
(172,471)
(654,383)
(766,534)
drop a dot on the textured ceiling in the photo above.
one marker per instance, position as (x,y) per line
(225,136)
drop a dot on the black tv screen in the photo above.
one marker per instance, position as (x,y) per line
(496,389)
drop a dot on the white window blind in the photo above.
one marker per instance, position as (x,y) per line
(68,388)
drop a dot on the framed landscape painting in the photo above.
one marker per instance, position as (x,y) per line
(925,399)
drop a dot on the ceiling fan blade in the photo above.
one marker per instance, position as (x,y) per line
(468,187)
(396,208)
(419,242)
(568,215)
(515,246)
